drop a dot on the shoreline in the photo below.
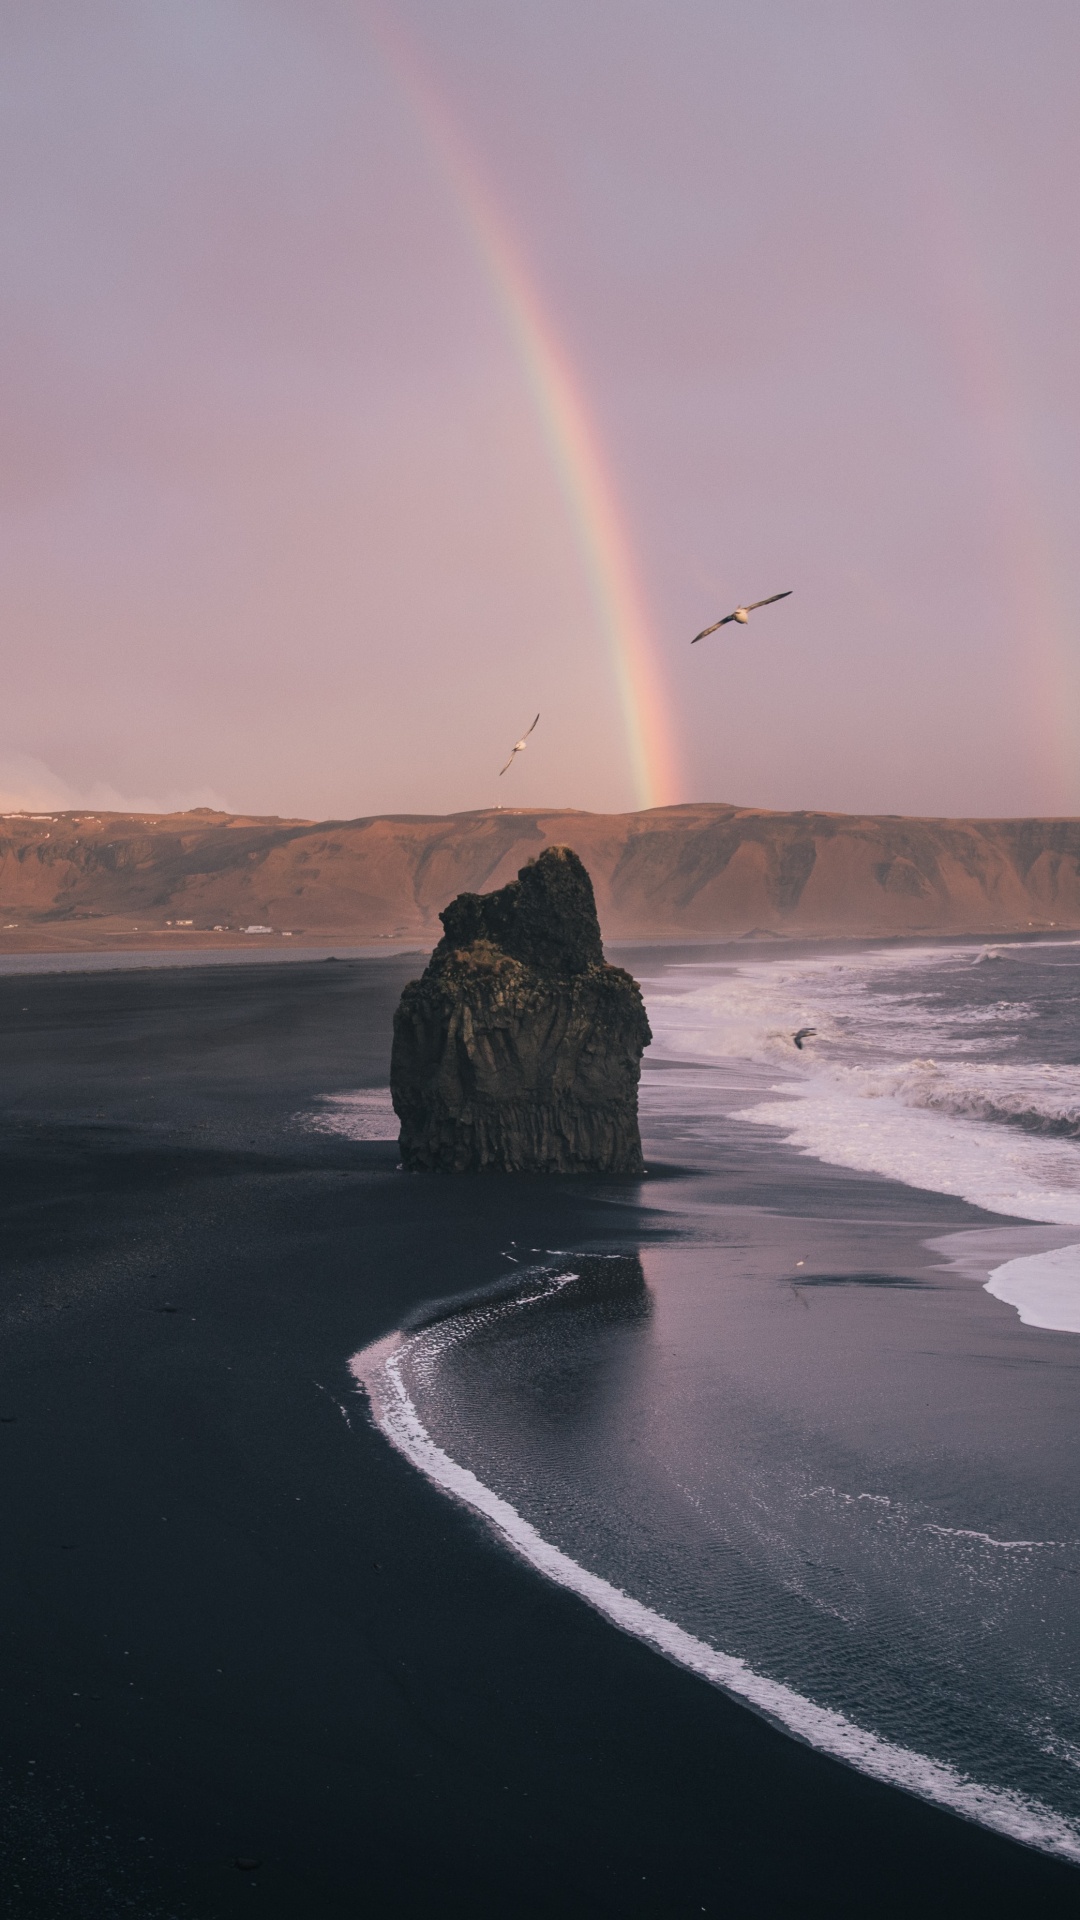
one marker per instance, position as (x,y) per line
(245,949)
(377,1370)
(242,1626)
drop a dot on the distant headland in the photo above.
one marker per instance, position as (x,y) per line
(82,881)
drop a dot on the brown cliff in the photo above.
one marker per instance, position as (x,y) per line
(693,872)
(519,1050)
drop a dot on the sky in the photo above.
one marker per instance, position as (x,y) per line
(375,377)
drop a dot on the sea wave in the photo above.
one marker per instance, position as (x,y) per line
(881,1004)
(892,1075)
(1043,1287)
(1036,1097)
(1003,1172)
(379,1373)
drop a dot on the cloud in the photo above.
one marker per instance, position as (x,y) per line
(28,785)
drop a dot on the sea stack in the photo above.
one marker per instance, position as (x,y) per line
(519,1051)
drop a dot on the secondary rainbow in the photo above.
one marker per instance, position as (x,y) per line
(570,435)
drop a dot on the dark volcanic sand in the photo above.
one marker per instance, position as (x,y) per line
(236,1627)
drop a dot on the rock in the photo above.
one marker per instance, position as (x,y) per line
(519,1050)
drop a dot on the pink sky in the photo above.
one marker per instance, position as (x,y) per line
(280,525)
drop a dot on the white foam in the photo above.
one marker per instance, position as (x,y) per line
(367,1114)
(863,1093)
(1043,1287)
(1003,1172)
(377,1369)
(988,1539)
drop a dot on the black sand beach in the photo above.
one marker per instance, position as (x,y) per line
(237,1627)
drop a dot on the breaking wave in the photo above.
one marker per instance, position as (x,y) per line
(906,1069)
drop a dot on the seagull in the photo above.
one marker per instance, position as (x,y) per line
(804,1033)
(741,614)
(519,748)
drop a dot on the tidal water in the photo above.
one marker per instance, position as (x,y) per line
(817,1439)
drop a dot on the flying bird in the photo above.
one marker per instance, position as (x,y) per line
(520,747)
(741,614)
(804,1033)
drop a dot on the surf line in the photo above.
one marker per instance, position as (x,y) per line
(377,1369)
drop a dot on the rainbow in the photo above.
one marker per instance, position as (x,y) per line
(572,440)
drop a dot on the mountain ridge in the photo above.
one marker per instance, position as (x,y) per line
(701,870)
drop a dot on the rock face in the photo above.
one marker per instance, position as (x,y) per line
(519,1051)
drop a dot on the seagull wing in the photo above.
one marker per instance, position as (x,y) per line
(769,601)
(707,630)
(518,746)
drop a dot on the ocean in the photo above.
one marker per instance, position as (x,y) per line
(815,1439)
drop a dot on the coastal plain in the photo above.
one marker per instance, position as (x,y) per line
(253,1662)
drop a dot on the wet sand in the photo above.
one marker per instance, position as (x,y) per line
(237,1626)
